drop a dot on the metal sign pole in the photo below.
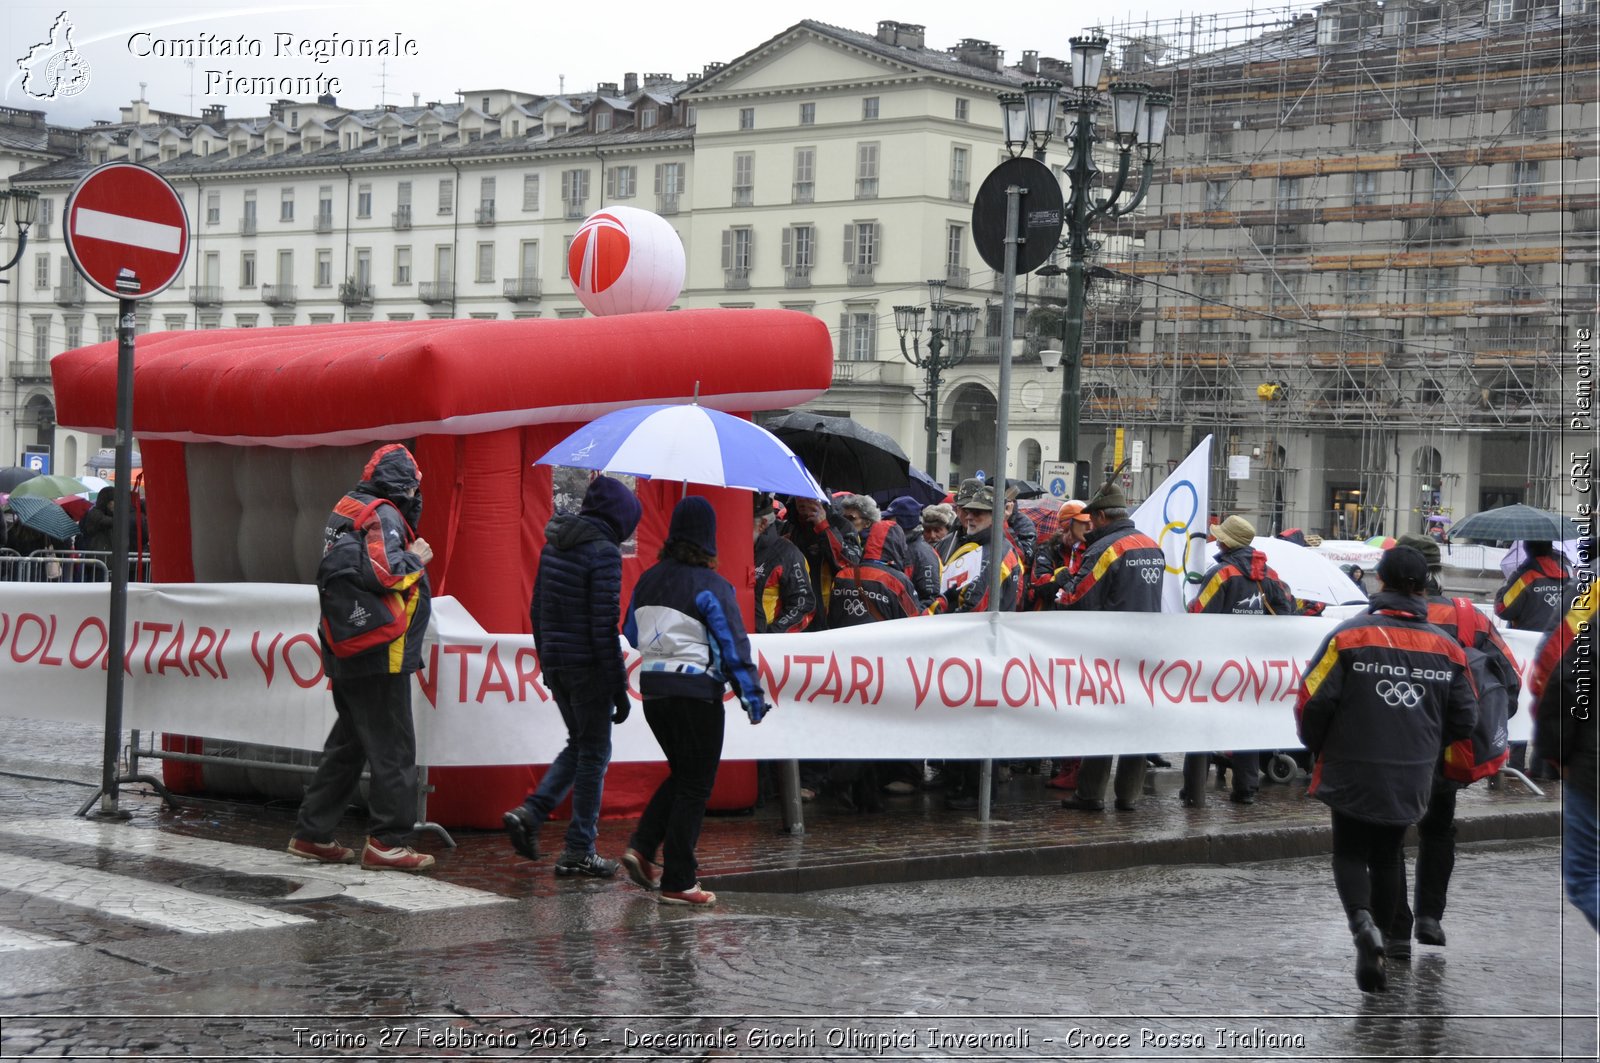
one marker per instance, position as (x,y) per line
(1002,428)
(117,621)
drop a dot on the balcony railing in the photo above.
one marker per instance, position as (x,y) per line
(858,276)
(205,294)
(1586,221)
(484,215)
(278,294)
(432,292)
(958,276)
(744,196)
(844,372)
(736,279)
(960,191)
(805,192)
(354,294)
(1434,229)
(70,293)
(247,226)
(666,203)
(323,222)
(402,218)
(797,277)
(29,372)
(523,289)
(576,210)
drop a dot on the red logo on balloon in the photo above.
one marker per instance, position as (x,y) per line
(599,253)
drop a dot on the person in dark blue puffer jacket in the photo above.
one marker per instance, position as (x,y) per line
(576,615)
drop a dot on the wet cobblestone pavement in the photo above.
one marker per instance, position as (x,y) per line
(1224,942)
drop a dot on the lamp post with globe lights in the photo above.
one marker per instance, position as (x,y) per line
(949,342)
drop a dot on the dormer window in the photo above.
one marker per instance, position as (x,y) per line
(602,121)
(647,117)
(485,107)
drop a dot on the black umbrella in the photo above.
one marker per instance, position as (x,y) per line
(1517,523)
(12,475)
(1025,488)
(922,487)
(842,454)
(43,515)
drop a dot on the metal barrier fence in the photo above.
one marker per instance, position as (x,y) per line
(68,566)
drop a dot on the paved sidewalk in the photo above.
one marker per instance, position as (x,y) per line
(913,839)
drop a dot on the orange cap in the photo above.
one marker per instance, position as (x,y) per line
(1071,510)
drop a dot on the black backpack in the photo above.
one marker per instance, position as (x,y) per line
(358,613)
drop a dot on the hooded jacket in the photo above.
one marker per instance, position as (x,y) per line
(577,595)
(1242,583)
(390,473)
(1381,698)
(876,587)
(785,601)
(1120,572)
(1536,595)
(828,546)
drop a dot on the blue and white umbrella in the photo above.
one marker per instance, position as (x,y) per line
(691,444)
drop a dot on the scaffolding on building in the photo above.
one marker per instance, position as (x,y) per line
(1371,221)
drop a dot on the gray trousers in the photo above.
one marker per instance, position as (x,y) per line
(1094,772)
(374,728)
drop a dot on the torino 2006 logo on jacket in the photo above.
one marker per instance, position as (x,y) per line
(1399,688)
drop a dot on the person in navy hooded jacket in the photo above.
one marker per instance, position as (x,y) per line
(577,605)
(686,625)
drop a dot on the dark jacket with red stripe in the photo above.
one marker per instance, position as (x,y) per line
(1564,728)
(1381,698)
(785,601)
(827,547)
(1242,583)
(389,473)
(1121,572)
(876,587)
(1536,595)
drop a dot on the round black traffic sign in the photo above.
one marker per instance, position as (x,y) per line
(1040,215)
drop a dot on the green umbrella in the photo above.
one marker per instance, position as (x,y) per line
(50,487)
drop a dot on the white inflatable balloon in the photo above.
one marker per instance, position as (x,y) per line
(625,261)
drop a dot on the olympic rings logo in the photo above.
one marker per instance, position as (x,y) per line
(1170,524)
(1400,695)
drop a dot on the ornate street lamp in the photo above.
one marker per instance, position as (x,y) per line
(1138,120)
(949,342)
(27,202)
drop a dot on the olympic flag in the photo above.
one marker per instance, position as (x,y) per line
(1175,511)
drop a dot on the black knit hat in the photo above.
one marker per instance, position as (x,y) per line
(694,522)
(1403,569)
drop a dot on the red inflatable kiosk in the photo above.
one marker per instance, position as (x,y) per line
(250,435)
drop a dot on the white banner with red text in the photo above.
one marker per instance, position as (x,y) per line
(240,661)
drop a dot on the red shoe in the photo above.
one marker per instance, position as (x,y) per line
(694,896)
(644,873)
(327,852)
(1063,780)
(379,857)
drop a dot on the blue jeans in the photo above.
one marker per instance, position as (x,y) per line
(1580,852)
(585,703)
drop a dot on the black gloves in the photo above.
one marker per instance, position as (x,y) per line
(621,706)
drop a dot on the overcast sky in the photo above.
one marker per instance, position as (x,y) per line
(473,44)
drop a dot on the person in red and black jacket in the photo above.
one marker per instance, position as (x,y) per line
(372,689)
(785,601)
(1537,593)
(1241,583)
(1121,572)
(1381,698)
(1436,830)
(827,541)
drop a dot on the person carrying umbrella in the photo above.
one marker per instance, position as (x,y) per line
(828,542)
(785,601)
(1382,695)
(684,621)
(1536,594)
(1241,583)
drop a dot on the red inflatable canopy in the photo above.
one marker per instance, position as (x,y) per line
(249,436)
(335,385)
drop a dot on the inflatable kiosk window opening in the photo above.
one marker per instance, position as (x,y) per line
(250,435)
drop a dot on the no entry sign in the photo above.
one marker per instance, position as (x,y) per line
(126,222)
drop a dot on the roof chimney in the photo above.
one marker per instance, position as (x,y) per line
(630,83)
(213,114)
(901,34)
(1030,62)
(979,53)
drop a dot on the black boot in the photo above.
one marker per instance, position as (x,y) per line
(1370,974)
